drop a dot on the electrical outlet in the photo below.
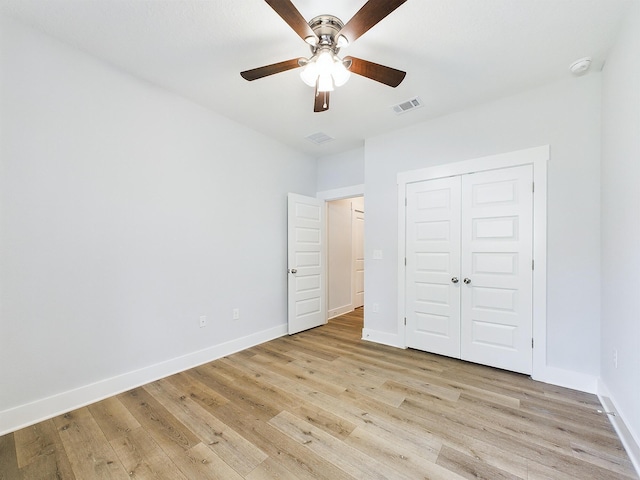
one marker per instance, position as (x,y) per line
(236,313)
(203,321)
(615,358)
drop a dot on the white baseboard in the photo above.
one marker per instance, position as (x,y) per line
(25,415)
(336,312)
(630,441)
(391,339)
(567,379)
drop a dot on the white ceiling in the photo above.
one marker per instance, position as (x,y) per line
(456,53)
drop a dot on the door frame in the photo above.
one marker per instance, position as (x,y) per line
(328,196)
(538,157)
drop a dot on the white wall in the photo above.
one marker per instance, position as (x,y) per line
(341,170)
(621,226)
(126,215)
(564,115)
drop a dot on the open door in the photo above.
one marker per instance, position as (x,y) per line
(306,263)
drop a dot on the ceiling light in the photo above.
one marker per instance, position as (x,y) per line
(309,74)
(340,73)
(325,70)
(325,83)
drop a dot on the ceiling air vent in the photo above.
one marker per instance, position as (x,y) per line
(408,105)
(319,138)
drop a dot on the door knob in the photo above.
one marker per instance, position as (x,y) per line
(454,280)
(467,281)
(294,270)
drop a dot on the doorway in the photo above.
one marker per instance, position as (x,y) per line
(345,255)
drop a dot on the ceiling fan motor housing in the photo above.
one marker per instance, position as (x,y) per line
(326,28)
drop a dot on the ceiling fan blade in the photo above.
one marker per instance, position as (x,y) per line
(267,70)
(369,15)
(290,14)
(321,102)
(374,71)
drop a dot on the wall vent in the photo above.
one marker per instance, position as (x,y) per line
(408,105)
(319,138)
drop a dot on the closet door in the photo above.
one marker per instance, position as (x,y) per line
(433,266)
(496,283)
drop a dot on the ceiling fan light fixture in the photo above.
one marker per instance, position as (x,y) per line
(326,70)
(340,73)
(325,83)
(326,35)
(311,40)
(309,73)
(325,62)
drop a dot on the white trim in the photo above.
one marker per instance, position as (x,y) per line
(630,441)
(385,338)
(569,379)
(540,271)
(402,254)
(336,312)
(493,162)
(538,157)
(340,193)
(25,415)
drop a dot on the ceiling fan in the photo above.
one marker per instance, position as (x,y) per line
(326,35)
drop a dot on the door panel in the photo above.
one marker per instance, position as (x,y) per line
(433,259)
(358,258)
(497,246)
(306,290)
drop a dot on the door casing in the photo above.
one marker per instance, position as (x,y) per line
(337,194)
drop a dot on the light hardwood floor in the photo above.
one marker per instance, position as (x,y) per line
(325,404)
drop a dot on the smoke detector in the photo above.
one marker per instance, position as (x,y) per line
(580,67)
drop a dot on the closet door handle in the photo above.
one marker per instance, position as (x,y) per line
(467,281)
(454,280)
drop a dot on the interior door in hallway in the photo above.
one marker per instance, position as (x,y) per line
(358,257)
(306,264)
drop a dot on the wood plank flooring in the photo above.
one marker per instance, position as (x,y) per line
(324,404)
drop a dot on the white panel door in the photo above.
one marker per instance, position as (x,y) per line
(497,246)
(358,258)
(306,284)
(433,266)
